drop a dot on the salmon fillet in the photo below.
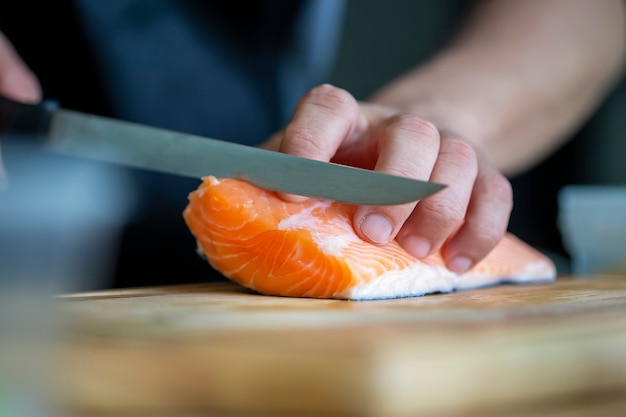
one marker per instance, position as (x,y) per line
(310,249)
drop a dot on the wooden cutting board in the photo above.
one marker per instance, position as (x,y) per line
(217,349)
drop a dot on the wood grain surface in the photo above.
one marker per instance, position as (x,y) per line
(217,349)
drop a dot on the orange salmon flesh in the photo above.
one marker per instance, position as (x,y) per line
(310,249)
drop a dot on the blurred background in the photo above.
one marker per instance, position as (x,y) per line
(376,41)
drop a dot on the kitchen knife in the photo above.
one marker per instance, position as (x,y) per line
(134,145)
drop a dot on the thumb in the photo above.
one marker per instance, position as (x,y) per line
(16,80)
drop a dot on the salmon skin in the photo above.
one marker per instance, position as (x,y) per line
(310,249)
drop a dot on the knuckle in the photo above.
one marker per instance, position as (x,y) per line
(462,152)
(415,126)
(304,138)
(403,169)
(332,98)
(443,215)
(500,187)
(485,239)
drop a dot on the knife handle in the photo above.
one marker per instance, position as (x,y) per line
(25,120)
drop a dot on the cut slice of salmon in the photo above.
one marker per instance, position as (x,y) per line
(310,249)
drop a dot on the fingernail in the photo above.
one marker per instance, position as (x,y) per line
(416,246)
(460,264)
(377,228)
(293,198)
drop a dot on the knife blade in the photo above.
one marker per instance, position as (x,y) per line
(134,145)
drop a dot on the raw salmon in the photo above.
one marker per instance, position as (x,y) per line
(310,249)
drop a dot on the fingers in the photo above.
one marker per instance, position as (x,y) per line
(485,222)
(408,146)
(273,143)
(437,217)
(16,80)
(465,220)
(325,118)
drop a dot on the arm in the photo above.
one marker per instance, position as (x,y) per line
(520,76)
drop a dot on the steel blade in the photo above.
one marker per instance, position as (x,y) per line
(145,147)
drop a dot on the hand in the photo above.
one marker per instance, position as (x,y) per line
(16,81)
(465,220)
